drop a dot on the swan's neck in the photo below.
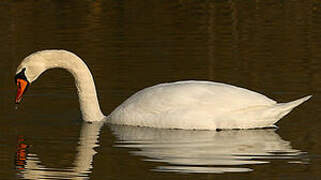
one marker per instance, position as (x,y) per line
(84,81)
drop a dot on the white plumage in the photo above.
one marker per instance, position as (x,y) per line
(181,105)
(200,105)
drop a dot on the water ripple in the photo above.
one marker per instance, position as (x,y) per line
(206,151)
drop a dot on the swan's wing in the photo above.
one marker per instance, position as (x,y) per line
(185,100)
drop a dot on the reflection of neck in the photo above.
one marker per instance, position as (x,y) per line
(88,140)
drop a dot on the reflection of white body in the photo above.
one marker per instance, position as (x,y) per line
(33,168)
(184,151)
(181,105)
(204,151)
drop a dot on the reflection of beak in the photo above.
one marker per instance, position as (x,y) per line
(21,89)
(21,153)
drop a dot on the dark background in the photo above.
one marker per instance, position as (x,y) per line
(272,47)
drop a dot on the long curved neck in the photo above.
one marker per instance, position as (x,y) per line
(84,81)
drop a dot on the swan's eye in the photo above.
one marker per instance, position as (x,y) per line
(20,75)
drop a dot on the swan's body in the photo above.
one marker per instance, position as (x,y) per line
(181,105)
(200,105)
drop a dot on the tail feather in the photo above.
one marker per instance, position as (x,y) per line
(284,108)
(259,116)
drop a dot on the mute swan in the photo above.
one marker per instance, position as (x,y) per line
(178,105)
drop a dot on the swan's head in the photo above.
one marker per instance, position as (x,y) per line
(27,72)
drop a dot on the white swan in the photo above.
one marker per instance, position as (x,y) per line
(181,105)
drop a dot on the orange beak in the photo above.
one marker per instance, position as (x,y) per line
(22,87)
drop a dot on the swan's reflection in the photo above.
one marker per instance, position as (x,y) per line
(29,165)
(205,151)
(179,150)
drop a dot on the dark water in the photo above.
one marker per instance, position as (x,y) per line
(272,47)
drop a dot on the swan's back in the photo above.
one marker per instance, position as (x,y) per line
(185,105)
